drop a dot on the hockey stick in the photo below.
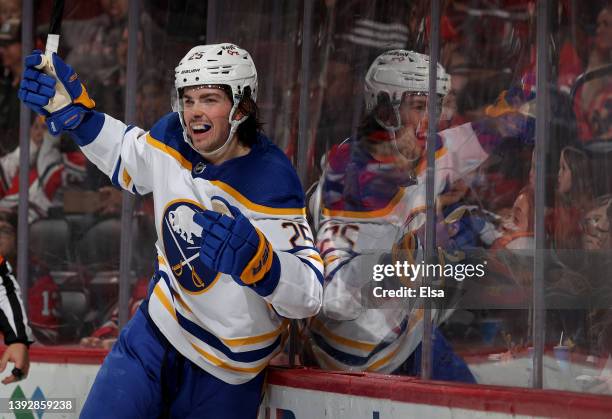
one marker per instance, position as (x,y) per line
(55,26)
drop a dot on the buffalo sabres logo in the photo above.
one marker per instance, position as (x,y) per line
(182,238)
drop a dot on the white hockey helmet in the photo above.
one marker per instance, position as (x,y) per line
(217,64)
(400,71)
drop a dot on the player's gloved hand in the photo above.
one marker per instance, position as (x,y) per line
(234,246)
(52,88)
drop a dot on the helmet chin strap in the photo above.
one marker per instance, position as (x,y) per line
(234,124)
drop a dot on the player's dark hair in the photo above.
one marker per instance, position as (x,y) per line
(248,130)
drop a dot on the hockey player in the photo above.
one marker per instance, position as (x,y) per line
(235,255)
(373,200)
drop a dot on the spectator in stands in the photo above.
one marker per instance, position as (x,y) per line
(9,9)
(517,228)
(151,99)
(8,235)
(574,196)
(501,177)
(106,335)
(44,176)
(597,223)
(597,241)
(92,42)
(593,109)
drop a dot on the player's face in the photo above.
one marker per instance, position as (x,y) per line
(413,110)
(206,112)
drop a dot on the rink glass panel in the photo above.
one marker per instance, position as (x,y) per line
(311,100)
(74,211)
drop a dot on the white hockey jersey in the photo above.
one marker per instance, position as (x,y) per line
(350,333)
(229,330)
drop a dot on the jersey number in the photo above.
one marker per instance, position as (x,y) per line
(300,231)
(45,311)
(338,233)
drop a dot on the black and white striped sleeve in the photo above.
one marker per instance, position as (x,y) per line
(13,319)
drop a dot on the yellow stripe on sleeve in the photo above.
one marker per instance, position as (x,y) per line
(367,214)
(168,150)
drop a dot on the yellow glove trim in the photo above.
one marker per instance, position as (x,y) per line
(261,262)
(84,99)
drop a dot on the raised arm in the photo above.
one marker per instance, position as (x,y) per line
(53,90)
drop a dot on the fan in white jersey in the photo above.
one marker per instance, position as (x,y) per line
(235,255)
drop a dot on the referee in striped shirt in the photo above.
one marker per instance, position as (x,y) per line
(13,320)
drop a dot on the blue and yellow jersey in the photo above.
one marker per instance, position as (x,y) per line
(229,330)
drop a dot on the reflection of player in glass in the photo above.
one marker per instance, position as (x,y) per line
(230,269)
(373,200)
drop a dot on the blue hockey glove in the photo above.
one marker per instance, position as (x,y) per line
(52,88)
(234,246)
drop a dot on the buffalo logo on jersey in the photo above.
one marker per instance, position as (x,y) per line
(182,239)
(232,244)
